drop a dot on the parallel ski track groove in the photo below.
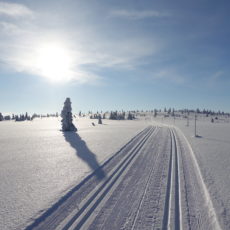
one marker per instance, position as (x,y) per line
(116,174)
(61,209)
(145,191)
(127,191)
(150,215)
(169,179)
(173,184)
(166,217)
(177,188)
(146,213)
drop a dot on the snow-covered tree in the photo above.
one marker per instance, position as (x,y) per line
(113,115)
(7,117)
(99,119)
(1,117)
(67,119)
(130,116)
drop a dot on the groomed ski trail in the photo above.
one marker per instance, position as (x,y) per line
(153,182)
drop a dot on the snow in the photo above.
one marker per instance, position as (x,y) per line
(152,183)
(212,150)
(38,164)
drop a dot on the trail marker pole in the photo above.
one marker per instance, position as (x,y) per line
(195,124)
(188,120)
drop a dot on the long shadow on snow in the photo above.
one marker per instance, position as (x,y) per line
(86,155)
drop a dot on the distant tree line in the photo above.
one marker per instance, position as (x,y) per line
(24,117)
(113,115)
(205,112)
(121,115)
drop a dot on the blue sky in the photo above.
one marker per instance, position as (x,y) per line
(108,55)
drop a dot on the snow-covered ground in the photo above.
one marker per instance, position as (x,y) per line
(38,164)
(154,182)
(212,149)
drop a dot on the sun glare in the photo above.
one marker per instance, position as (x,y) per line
(54,62)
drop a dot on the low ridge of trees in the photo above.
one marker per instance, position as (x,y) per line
(25,117)
(122,115)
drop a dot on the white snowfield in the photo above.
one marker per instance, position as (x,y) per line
(39,165)
(212,151)
(120,175)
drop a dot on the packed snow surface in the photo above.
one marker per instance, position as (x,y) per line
(152,183)
(39,164)
(212,151)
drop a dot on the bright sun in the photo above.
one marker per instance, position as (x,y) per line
(54,62)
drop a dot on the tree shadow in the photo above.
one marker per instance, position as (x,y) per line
(84,153)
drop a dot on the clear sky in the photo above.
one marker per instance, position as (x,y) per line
(118,54)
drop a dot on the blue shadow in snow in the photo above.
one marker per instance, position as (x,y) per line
(86,155)
(83,152)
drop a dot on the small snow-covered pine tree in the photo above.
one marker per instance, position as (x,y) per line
(1,117)
(130,116)
(67,119)
(99,119)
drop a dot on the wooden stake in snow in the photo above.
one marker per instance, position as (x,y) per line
(195,124)
(188,120)
(67,119)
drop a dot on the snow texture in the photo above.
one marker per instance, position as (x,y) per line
(154,182)
(212,152)
(157,179)
(39,164)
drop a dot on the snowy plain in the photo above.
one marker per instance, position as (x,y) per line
(38,164)
(212,150)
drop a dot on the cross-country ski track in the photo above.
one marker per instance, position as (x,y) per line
(153,182)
